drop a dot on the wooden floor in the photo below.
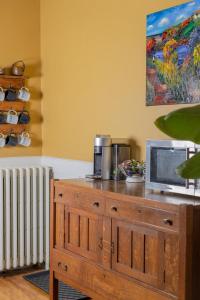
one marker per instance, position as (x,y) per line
(16,288)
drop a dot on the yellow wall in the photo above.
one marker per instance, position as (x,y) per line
(93,65)
(20,39)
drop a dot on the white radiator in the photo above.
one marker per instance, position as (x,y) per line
(24,217)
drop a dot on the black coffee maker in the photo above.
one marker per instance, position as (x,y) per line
(120,152)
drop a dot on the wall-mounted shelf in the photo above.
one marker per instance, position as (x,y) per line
(10,128)
(12,105)
(8,81)
(15,82)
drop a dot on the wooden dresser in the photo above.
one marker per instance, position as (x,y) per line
(116,241)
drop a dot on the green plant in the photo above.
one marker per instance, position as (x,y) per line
(132,167)
(184,124)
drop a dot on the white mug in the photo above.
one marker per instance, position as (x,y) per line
(12,117)
(2,140)
(24,94)
(2,94)
(24,139)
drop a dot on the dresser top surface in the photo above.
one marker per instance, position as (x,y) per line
(136,190)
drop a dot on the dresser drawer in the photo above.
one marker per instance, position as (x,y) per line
(63,193)
(67,266)
(80,199)
(94,278)
(148,215)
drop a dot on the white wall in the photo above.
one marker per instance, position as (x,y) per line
(63,168)
(67,168)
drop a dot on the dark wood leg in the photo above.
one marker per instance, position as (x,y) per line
(53,289)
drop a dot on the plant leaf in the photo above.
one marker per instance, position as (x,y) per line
(182,124)
(190,169)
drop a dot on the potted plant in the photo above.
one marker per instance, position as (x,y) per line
(184,124)
(133,170)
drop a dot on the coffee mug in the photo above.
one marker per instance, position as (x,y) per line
(11,95)
(24,139)
(12,140)
(2,94)
(3,118)
(12,117)
(24,94)
(2,140)
(24,118)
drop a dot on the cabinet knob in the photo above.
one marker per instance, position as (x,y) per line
(168,222)
(59,264)
(114,209)
(96,204)
(60,195)
(65,267)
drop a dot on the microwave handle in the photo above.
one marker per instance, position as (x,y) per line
(187,183)
(188,156)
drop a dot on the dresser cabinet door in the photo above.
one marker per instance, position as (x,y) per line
(137,252)
(146,254)
(84,233)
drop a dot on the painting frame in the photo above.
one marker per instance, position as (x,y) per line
(173,55)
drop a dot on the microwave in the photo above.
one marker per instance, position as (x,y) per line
(162,159)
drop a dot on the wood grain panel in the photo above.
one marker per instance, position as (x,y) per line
(11,128)
(151,260)
(60,223)
(171,263)
(84,227)
(147,215)
(93,235)
(138,251)
(74,229)
(91,278)
(15,82)
(124,247)
(84,233)
(90,202)
(16,287)
(12,105)
(137,246)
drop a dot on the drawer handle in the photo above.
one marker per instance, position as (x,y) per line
(96,204)
(168,222)
(101,243)
(60,195)
(114,209)
(65,267)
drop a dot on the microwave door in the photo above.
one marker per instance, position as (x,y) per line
(162,172)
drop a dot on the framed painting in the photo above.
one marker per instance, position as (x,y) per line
(173,55)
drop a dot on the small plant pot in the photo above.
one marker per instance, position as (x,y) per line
(134,178)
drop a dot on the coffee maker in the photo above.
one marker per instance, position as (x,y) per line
(107,157)
(102,156)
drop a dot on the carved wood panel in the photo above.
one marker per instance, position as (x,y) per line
(136,252)
(84,233)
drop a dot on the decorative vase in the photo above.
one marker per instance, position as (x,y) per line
(135,178)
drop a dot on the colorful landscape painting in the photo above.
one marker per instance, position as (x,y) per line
(173,55)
